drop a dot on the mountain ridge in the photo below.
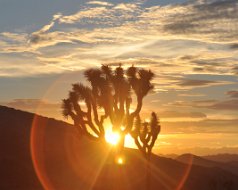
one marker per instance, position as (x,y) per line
(225,157)
(231,166)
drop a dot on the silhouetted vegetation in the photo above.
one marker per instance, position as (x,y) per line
(145,135)
(109,96)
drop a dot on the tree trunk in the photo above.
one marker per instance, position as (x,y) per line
(148,172)
(121,143)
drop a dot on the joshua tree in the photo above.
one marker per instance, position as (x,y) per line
(110,96)
(145,135)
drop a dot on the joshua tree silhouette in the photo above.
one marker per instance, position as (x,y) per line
(110,96)
(145,135)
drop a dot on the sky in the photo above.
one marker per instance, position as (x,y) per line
(191,46)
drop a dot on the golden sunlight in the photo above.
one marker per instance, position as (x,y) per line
(120,160)
(112,137)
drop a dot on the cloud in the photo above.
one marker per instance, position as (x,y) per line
(226,105)
(126,7)
(212,62)
(232,93)
(176,114)
(102,3)
(191,94)
(196,104)
(87,13)
(13,37)
(193,19)
(36,38)
(205,125)
(193,82)
(185,83)
(40,35)
(130,32)
(235,70)
(234,46)
(47,27)
(209,104)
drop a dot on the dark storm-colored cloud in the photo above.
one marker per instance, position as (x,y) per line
(233,93)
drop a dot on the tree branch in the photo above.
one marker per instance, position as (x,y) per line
(138,107)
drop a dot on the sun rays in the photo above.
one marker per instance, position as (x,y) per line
(112,138)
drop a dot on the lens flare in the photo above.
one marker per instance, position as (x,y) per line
(120,160)
(112,137)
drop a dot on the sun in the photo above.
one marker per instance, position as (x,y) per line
(112,137)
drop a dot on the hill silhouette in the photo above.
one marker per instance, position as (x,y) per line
(65,160)
(231,166)
(222,157)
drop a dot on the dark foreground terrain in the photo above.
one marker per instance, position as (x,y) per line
(65,161)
